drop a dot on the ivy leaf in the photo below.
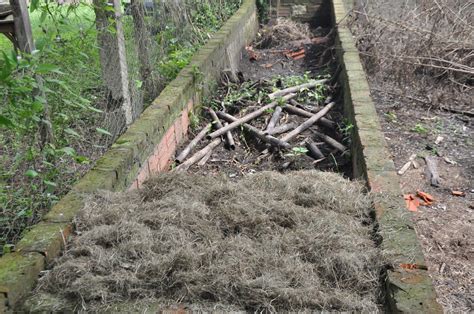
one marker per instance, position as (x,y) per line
(34,5)
(50,183)
(103,131)
(68,151)
(31,174)
(71,132)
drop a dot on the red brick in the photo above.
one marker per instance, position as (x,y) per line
(134,186)
(143,174)
(170,137)
(178,131)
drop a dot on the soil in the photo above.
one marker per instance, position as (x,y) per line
(247,158)
(445,229)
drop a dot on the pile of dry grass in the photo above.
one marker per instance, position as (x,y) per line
(425,47)
(268,242)
(283,32)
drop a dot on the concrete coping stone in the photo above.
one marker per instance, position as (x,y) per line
(408,290)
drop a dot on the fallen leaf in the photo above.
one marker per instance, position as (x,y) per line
(458,193)
(253,56)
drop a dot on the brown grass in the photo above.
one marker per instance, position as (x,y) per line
(270,242)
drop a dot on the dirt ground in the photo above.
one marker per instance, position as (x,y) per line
(444,229)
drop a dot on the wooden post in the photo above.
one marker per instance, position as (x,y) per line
(22,26)
(113,60)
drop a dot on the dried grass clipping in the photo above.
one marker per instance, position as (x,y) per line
(282,33)
(270,242)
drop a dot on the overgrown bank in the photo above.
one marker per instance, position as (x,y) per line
(36,168)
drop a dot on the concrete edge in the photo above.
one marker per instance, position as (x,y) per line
(407,290)
(145,148)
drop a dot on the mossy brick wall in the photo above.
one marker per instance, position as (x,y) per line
(407,290)
(146,148)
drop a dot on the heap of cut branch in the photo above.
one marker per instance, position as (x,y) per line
(269,242)
(421,50)
(290,118)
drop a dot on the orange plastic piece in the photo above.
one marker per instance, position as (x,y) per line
(427,198)
(412,202)
(413,266)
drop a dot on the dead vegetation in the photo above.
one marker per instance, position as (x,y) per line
(269,242)
(283,31)
(421,50)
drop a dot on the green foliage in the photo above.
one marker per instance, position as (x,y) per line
(297,151)
(263,7)
(419,128)
(65,77)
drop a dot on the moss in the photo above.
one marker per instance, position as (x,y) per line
(45,238)
(18,274)
(96,180)
(66,208)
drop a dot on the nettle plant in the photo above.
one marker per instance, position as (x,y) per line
(45,107)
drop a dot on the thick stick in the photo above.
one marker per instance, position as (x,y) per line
(229,139)
(308,123)
(266,138)
(303,113)
(217,123)
(198,156)
(275,118)
(204,159)
(295,89)
(431,165)
(247,117)
(330,141)
(192,144)
(281,129)
(314,150)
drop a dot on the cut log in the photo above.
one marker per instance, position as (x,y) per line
(215,119)
(204,159)
(247,117)
(275,118)
(266,138)
(432,167)
(281,129)
(303,113)
(314,150)
(296,89)
(329,140)
(192,144)
(308,123)
(229,139)
(199,155)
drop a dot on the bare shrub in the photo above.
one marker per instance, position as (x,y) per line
(268,242)
(425,47)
